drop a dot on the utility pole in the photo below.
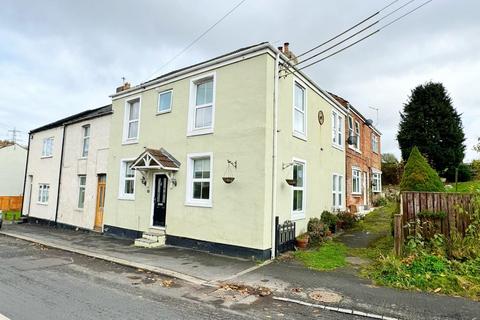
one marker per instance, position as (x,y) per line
(14,132)
(376,109)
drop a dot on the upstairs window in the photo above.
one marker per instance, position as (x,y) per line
(299,111)
(357,135)
(337,129)
(202,105)
(43,193)
(132,120)
(165,101)
(356,181)
(82,181)
(47,150)
(375,143)
(85,140)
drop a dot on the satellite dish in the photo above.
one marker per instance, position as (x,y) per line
(369,122)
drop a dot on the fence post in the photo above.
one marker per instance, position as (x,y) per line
(398,234)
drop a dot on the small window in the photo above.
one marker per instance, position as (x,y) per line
(127,181)
(374,143)
(132,119)
(337,191)
(299,110)
(202,106)
(199,180)
(165,101)
(337,129)
(356,181)
(376,182)
(43,193)
(82,180)
(298,204)
(85,140)
(47,150)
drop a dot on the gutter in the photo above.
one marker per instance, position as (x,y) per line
(25,177)
(60,173)
(274,155)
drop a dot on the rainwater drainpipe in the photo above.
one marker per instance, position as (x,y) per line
(274,155)
(60,173)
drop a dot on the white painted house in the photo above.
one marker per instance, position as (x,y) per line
(67,160)
(12,169)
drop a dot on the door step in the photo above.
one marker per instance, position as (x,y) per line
(152,239)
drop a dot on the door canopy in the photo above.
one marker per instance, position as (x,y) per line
(154,159)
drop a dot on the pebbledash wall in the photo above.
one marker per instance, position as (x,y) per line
(239,218)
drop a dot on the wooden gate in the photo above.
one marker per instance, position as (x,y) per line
(284,236)
(11,203)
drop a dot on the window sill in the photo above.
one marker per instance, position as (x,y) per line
(198,204)
(42,203)
(338,147)
(83,158)
(355,149)
(376,191)
(129,142)
(299,135)
(295,216)
(124,197)
(357,194)
(163,112)
(199,132)
(79,210)
(46,157)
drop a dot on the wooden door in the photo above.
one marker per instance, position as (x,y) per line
(102,179)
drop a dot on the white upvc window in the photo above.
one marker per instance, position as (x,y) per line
(43,193)
(337,191)
(82,181)
(165,101)
(376,182)
(199,179)
(127,180)
(299,111)
(47,150)
(202,105)
(299,189)
(337,129)
(85,140)
(357,135)
(375,143)
(132,120)
(356,181)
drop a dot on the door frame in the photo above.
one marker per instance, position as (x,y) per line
(152,209)
(96,200)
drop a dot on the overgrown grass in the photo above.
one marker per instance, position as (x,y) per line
(469,186)
(330,255)
(11,215)
(379,220)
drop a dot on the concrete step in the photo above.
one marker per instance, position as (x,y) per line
(146,243)
(154,236)
(159,232)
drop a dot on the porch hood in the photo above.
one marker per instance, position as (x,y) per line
(156,159)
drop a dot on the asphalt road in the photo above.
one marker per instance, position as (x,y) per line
(41,283)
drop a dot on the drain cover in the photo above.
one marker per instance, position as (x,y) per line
(325,296)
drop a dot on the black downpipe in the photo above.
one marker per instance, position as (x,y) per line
(60,173)
(25,177)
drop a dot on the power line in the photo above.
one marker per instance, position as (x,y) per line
(197,38)
(361,39)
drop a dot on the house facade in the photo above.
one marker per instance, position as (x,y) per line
(65,176)
(177,142)
(363,160)
(12,169)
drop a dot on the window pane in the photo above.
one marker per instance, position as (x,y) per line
(46,193)
(340,182)
(165,101)
(297,200)
(197,190)
(86,131)
(86,143)
(134,110)
(204,92)
(299,121)
(201,168)
(129,172)
(299,97)
(81,198)
(132,130)
(334,186)
(129,187)
(205,190)
(203,117)
(298,174)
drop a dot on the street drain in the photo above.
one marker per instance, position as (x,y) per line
(325,296)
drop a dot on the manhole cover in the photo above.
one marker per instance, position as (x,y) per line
(325,296)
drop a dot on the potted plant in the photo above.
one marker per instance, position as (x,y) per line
(302,241)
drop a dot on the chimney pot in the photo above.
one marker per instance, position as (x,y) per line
(285,47)
(280,48)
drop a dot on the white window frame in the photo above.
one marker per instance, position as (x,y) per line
(357,175)
(375,140)
(357,134)
(43,193)
(338,194)
(376,188)
(191,130)
(171,101)
(47,147)
(296,133)
(121,190)
(80,188)
(86,140)
(127,121)
(299,214)
(337,130)
(189,200)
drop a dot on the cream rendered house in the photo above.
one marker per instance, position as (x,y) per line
(66,170)
(12,169)
(175,138)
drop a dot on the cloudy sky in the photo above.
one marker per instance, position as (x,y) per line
(61,57)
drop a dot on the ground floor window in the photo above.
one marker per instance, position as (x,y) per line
(199,179)
(82,180)
(356,181)
(43,193)
(337,191)
(298,190)
(376,182)
(127,180)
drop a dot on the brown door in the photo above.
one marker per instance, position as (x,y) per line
(102,178)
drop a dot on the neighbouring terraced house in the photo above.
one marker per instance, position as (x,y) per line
(206,157)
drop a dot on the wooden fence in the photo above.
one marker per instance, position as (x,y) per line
(11,203)
(412,203)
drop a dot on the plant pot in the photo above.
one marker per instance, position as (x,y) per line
(302,243)
(291,182)
(228,179)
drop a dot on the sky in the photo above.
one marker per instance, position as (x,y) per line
(58,58)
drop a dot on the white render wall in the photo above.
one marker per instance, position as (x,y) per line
(74,165)
(43,170)
(12,170)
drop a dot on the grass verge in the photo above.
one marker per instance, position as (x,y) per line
(467,187)
(11,215)
(330,255)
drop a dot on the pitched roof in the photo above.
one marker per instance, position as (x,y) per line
(160,156)
(84,115)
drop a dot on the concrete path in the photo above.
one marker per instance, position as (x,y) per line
(189,265)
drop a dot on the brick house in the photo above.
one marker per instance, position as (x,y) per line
(363,160)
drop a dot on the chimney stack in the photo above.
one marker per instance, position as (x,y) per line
(123,87)
(285,48)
